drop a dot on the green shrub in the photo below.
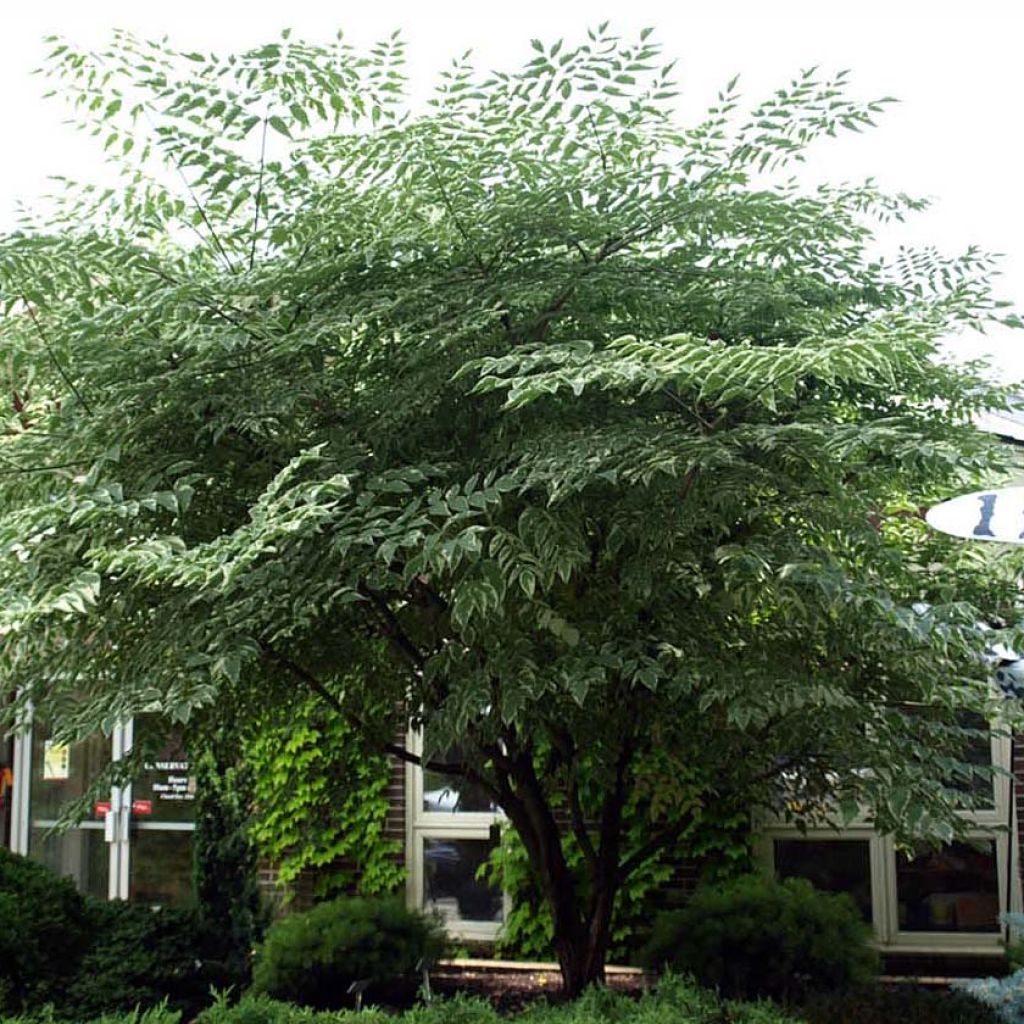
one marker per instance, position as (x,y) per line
(161,1014)
(754,936)
(313,957)
(44,929)
(905,1005)
(675,1002)
(139,956)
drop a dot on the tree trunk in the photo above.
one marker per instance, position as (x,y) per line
(582,944)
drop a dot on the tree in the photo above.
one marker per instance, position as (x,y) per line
(588,443)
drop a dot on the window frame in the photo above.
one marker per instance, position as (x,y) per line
(985,824)
(421,825)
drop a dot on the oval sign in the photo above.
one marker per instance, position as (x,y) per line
(996,515)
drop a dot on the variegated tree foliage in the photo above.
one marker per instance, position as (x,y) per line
(586,440)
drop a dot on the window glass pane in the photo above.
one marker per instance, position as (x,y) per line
(60,773)
(161,867)
(450,884)
(81,854)
(979,753)
(449,794)
(954,889)
(832,865)
(166,788)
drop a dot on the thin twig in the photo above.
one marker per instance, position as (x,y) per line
(259,191)
(53,356)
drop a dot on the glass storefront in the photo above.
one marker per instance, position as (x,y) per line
(451,883)
(134,841)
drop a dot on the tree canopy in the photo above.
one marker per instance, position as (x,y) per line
(588,442)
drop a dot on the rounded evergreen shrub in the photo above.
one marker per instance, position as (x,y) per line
(755,936)
(44,930)
(313,957)
(140,956)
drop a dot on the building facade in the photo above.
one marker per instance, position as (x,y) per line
(136,844)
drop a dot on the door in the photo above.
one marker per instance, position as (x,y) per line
(135,842)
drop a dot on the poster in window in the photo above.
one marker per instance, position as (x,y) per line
(56,761)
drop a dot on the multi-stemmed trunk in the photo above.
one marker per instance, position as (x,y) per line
(582,920)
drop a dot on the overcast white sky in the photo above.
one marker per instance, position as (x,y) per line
(956,67)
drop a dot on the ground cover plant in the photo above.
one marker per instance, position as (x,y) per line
(901,1004)
(585,441)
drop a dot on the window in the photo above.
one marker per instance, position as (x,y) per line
(832,865)
(931,901)
(452,827)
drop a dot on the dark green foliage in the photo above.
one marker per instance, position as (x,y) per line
(311,958)
(154,1015)
(755,936)
(674,1002)
(44,928)
(224,859)
(718,838)
(137,956)
(904,1005)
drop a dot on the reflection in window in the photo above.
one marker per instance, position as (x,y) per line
(451,794)
(81,854)
(450,884)
(62,773)
(832,865)
(166,788)
(954,889)
(161,867)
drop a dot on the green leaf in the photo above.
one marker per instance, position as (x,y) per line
(279,126)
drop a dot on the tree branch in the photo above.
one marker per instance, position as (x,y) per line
(391,628)
(394,749)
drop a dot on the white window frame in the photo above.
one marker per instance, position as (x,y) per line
(421,825)
(987,824)
(118,826)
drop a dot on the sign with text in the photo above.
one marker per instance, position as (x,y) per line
(170,781)
(996,515)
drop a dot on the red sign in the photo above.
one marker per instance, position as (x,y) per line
(142,807)
(102,808)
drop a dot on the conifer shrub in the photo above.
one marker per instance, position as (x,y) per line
(756,937)
(313,958)
(140,956)
(44,930)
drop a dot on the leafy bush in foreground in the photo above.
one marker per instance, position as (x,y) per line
(675,1002)
(905,1005)
(139,956)
(44,929)
(313,957)
(155,1015)
(755,936)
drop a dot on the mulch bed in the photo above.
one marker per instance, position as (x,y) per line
(510,986)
